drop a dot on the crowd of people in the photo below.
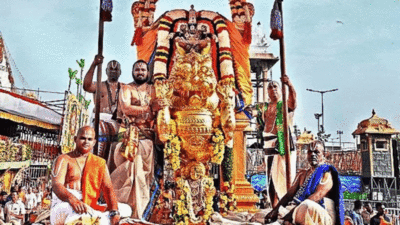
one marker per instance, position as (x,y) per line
(363,214)
(17,205)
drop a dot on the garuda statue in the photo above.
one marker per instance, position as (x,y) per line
(200,62)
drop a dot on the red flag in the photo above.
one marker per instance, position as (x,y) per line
(276,22)
(106,9)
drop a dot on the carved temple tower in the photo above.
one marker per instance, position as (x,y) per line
(6,78)
(261,62)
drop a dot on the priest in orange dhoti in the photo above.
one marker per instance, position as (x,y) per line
(78,178)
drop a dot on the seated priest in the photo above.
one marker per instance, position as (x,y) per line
(316,193)
(78,179)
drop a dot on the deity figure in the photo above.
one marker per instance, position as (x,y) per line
(200,62)
(199,121)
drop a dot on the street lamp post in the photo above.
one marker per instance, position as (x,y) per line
(339,132)
(322,107)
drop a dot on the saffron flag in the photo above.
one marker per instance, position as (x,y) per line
(106,9)
(276,22)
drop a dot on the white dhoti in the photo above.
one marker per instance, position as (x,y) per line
(312,213)
(62,212)
(132,180)
(278,173)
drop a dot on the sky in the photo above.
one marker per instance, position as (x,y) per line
(360,56)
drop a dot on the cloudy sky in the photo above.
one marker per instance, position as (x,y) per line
(360,56)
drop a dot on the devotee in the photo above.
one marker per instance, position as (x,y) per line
(9,197)
(78,178)
(31,200)
(366,213)
(2,219)
(14,210)
(270,119)
(356,213)
(3,198)
(316,192)
(109,94)
(265,204)
(380,218)
(135,171)
(22,193)
(46,201)
(39,194)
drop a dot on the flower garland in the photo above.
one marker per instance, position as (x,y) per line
(184,205)
(209,190)
(12,152)
(228,200)
(172,151)
(219,147)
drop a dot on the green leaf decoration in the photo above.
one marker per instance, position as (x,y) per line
(81,63)
(80,98)
(355,195)
(72,74)
(87,103)
(78,81)
(227,164)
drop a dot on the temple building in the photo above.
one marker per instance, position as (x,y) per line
(29,131)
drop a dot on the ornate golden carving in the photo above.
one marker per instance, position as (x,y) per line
(201,108)
(130,142)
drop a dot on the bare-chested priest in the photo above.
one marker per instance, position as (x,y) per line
(109,93)
(135,171)
(78,179)
(270,120)
(316,193)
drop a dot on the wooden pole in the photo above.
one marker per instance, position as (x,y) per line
(98,83)
(285,106)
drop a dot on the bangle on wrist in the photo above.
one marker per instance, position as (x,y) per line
(114,213)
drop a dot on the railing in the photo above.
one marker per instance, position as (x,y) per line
(34,175)
(396,212)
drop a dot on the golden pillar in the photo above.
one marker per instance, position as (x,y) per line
(246,199)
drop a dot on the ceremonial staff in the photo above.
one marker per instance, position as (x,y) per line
(105,15)
(277,33)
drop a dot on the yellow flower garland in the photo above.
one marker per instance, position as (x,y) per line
(226,202)
(184,207)
(219,146)
(172,151)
